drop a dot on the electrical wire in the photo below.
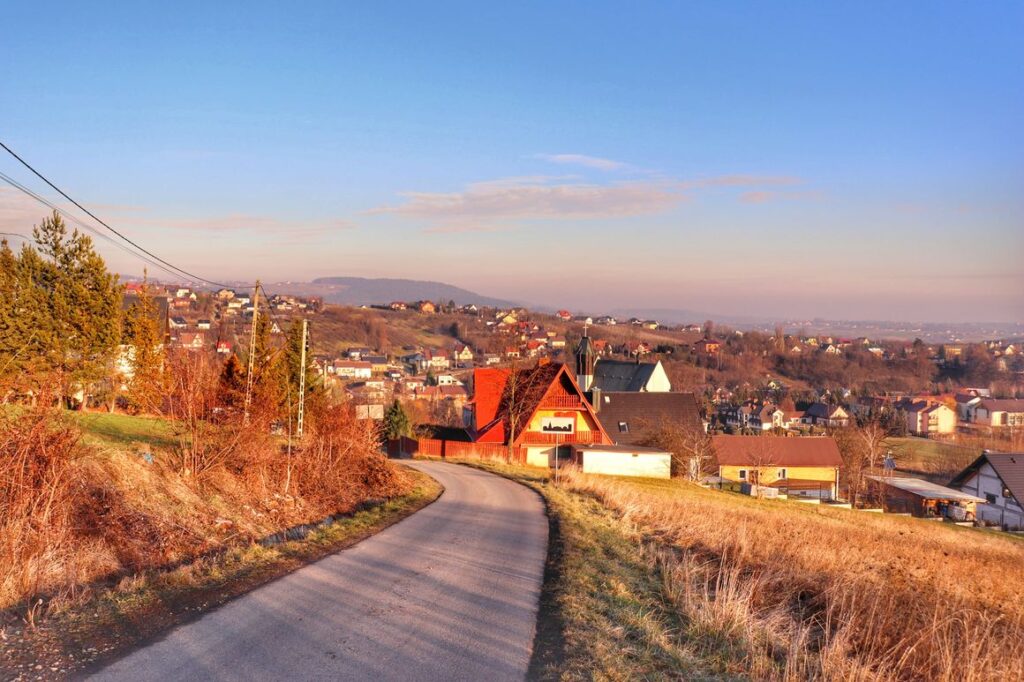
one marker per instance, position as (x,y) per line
(108,227)
(76,220)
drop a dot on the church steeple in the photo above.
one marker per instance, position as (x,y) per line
(585,362)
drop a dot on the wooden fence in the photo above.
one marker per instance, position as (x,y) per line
(431,447)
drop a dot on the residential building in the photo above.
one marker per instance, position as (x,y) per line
(351,369)
(707,347)
(995,412)
(540,410)
(798,466)
(829,416)
(999,479)
(926,418)
(463,355)
(630,417)
(623,375)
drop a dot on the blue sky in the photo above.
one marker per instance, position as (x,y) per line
(850,160)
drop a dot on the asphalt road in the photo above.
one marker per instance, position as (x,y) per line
(449,593)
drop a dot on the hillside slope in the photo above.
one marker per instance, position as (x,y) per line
(369,291)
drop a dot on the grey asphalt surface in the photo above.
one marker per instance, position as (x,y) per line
(450,593)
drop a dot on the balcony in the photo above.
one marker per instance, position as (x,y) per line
(571,402)
(580,437)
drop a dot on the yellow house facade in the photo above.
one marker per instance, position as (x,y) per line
(799,466)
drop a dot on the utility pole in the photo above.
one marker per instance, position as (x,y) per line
(302,380)
(252,349)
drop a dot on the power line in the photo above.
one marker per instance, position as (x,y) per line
(75,219)
(101,222)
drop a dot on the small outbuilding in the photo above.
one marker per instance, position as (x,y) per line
(623,460)
(924,499)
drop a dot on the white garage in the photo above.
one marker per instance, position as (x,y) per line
(623,460)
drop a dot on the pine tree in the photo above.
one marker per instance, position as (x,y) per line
(146,354)
(61,313)
(396,421)
(231,387)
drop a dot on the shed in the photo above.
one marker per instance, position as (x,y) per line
(623,460)
(925,499)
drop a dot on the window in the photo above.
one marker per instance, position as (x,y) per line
(782,474)
(623,427)
(990,498)
(743,474)
(1007,493)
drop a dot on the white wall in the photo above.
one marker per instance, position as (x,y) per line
(1004,511)
(647,465)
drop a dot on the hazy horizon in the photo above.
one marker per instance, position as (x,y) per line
(815,161)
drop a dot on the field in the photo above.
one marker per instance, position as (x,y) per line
(665,579)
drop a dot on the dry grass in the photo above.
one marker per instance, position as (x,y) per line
(794,592)
(663,579)
(75,511)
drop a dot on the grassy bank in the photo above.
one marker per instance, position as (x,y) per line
(663,579)
(114,618)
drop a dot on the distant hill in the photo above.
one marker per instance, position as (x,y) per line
(369,291)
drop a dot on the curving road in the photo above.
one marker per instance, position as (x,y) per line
(449,593)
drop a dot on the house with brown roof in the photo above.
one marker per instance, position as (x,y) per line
(994,412)
(804,467)
(707,347)
(998,478)
(927,418)
(631,418)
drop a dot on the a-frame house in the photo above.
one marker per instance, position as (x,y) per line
(541,411)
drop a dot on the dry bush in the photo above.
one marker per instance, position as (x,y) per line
(36,485)
(74,514)
(340,463)
(815,593)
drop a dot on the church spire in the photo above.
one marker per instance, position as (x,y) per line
(585,362)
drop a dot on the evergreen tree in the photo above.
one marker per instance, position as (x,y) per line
(231,386)
(396,421)
(146,354)
(60,309)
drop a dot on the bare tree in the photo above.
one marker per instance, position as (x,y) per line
(692,452)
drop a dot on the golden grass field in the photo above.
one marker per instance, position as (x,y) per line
(666,579)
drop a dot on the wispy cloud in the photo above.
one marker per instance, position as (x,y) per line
(585,161)
(484,206)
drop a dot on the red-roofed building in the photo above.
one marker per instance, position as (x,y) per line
(541,410)
(564,315)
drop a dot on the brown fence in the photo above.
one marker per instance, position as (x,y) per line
(430,447)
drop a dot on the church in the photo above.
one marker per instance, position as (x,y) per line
(633,400)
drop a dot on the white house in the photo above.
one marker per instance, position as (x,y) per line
(352,369)
(991,412)
(999,479)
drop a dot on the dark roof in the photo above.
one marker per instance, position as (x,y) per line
(821,411)
(805,451)
(1009,467)
(645,413)
(622,375)
(440,432)
(1004,405)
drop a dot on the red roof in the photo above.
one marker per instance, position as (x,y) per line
(810,451)
(490,398)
